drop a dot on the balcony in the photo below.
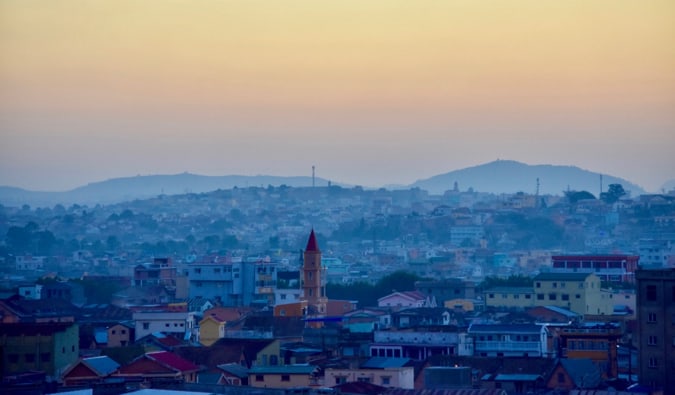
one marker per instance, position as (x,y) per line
(507,346)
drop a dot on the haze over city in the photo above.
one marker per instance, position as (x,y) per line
(372,93)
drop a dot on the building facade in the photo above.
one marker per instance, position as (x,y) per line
(656,327)
(610,268)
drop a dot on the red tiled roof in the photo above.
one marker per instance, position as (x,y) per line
(312,245)
(172,360)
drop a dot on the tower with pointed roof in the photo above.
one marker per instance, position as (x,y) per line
(313,284)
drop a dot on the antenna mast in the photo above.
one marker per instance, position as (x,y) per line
(313,179)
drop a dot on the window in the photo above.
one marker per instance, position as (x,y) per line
(166,325)
(565,297)
(45,357)
(114,332)
(386,380)
(285,377)
(652,340)
(540,296)
(552,296)
(30,358)
(516,296)
(538,285)
(528,296)
(259,377)
(198,270)
(653,362)
(363,379)
(13,358)
(72,348)
(146,325)
(577,296)
(216,270)
(274,360)
(555,285)
(561,378)
(581,285)
(651,293)
(651,317)
(491,296)
(124,331)
(562,285)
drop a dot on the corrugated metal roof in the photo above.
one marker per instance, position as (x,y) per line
(385,362)
(102,365)
(285,369)
(517,377)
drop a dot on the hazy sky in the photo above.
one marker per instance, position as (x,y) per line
(371,92)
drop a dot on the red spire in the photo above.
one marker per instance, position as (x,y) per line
(312,245)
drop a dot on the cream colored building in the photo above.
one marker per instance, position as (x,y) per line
(382,371)
(577,292)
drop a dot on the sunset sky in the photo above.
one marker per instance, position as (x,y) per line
(371,92)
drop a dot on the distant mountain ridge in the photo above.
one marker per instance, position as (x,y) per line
(508,176)
(501,176)
(141,187)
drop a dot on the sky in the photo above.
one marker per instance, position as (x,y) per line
(370,92)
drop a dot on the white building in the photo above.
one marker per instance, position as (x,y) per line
(149,322)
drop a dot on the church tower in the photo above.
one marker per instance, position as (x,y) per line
(313,283)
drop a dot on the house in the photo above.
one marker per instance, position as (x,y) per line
(571,374)
(233,374)
(48,347)
(425,316)
(383,371)
(509,340)
(147,322)
(212,326)
(282,376)
(158,367)
(366,320)
(121,334)
(399,300)
(89,371)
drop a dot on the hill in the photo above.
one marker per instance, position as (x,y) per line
(140,187)
(507,176)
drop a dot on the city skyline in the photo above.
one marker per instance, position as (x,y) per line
(371,93)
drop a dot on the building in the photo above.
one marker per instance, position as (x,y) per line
(121,334)
(282,376)
(48,347)
(234,283)
(386,372)
(595,341)
(400,300)
(448,289)
(579,292)
(656,253)
(313,282)
(509,340)
(212,326)
(89,371)
(610,268)
(178,323)
(656,327)
(159,367)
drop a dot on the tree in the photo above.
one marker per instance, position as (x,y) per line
(613,194)
(575,196)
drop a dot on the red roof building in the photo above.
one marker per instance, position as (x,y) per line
(160,366)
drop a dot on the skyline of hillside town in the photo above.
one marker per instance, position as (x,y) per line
(393,290)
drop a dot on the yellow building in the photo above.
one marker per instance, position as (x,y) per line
(287,376)
(577,292)
(211,328)
(510,297)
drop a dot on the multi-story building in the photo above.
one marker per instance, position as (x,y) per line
(611,268)
(414,344)
(578,292)
(656,253)
(656,327)
(234,283)
(508,340)
(178,323)
(160,272)
(448,289)
(48,347)
(595,341)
